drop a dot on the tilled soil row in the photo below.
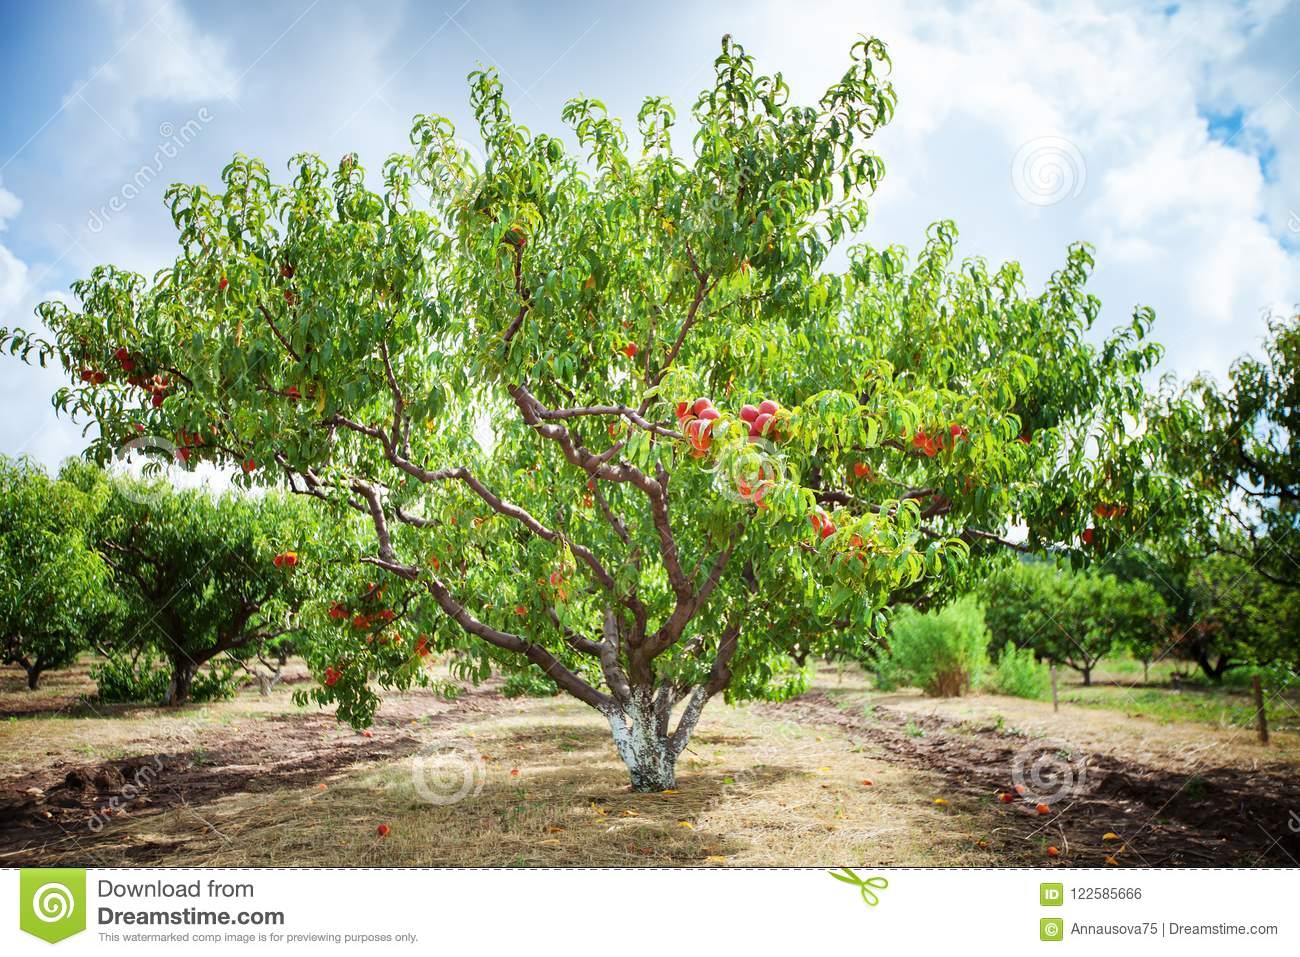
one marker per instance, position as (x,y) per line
(84,804)
(1216,816)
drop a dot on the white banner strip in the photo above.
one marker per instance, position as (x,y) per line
(653,912)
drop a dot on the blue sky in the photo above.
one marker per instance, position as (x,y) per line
(1169,136)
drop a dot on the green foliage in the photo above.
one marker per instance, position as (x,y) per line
(148,678)
(1073,618)
(531,683)
(1017,672)
(1238,446)
(199,577)
(1225,611)
(123,679)
(943,652)
(340,333)
(53,586)
(1238,616)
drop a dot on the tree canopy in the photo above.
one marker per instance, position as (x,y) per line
(54,588)
(612,413)
(199,577)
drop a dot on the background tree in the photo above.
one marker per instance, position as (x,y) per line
(507,381)
(1071,618)
(1239,446)
(1236,615)
(202,578)
(53,587)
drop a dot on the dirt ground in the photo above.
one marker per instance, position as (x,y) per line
(841,775)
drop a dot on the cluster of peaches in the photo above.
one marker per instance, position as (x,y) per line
(931,444)
(696,420)
(157,385)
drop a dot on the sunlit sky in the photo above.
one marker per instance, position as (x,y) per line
(1166,134)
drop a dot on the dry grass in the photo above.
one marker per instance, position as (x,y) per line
(753,790)
(1176,746)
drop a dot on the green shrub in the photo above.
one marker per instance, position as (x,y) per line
(531,683)
(886,675)
(121,680)
(1019,674)
(943,652)
(145,679)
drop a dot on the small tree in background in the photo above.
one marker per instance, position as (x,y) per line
(1237,616)
(702,450)
(1239,445)
(202,578)
(53,586)
(1072,618)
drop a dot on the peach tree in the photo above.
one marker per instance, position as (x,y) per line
(613,415)
(202,581)
(54,588)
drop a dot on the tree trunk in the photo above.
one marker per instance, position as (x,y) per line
(33,670)
(1212,671)
(644,745)
(178,689)
(1087,675)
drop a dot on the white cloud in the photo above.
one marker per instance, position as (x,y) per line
(1207,232)
(1181,221)
(13,271)
(158,55)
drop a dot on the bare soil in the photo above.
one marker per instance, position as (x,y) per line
(1213,816)
(840,775)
